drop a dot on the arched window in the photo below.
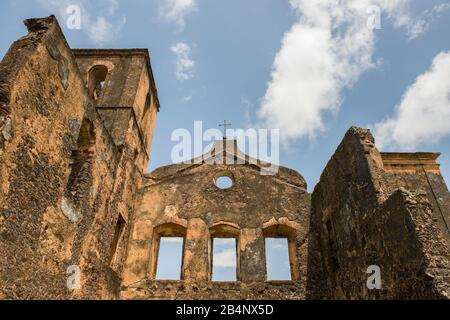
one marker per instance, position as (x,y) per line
(96,81)
(118,233)
(167,252)
(280,250)
(81,171)
(225,258)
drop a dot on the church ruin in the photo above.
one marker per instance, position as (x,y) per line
(76,128)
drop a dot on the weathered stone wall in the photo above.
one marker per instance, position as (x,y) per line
(361,216)
(64,180)
(419,173)
(128,85)
(209,290)
(73,192)
(186,196)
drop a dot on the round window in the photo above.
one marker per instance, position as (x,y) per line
(224,182)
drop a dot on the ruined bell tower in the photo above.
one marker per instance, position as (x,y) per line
(77,127)
(121,84)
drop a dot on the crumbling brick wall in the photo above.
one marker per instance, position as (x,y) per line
(361,216)
(420,174)
(186,196)
(64,180)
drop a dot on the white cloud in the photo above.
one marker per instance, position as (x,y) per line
(422,23)
(440,8)
(176,10)
(100,30)
(99,20)
(184,64)
(112,7)
(225,259)
(423,115)
(325,52)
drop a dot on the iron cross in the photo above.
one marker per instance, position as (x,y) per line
(225,125)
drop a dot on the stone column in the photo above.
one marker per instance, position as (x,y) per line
(251,256)
(197,248)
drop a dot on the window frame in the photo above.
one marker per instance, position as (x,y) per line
(93,75)
(167,230)
(225,230)
(119,230)
(289,233)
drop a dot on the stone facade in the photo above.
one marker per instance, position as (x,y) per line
(70,162)
(389,210)
(183,198)
(76,128)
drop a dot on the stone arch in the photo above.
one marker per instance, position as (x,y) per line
(96,79)
(225,229)
(284,228)
(279,230)
(171,229)
(81,164)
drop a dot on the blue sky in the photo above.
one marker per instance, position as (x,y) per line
(279,64)
(277,259)
(169,259)
(224,259)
